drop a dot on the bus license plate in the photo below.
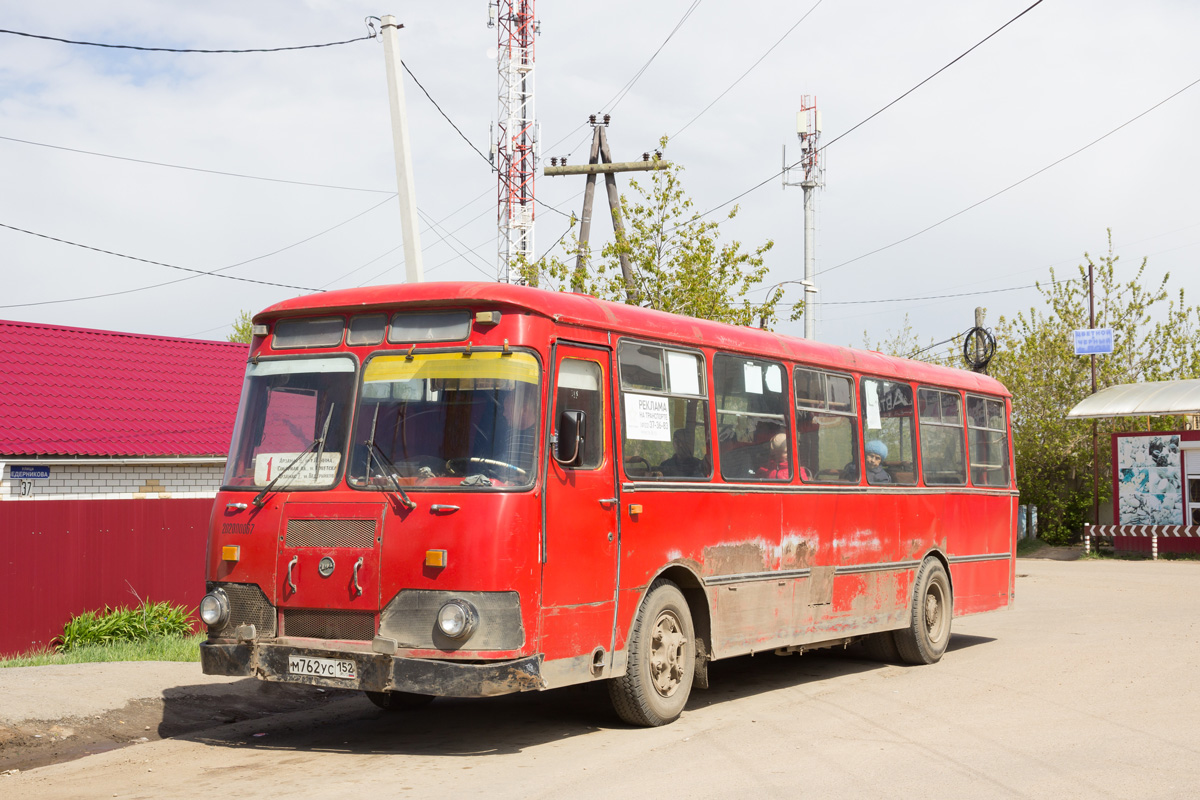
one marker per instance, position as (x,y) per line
(321,667)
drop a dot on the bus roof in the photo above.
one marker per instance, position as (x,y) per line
(590,312)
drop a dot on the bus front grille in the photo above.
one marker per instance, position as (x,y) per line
(247,606)
(330,533)
(329,624)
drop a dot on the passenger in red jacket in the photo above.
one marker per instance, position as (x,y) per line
(776,466)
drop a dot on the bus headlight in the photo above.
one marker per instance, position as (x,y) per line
(457,619)
(214,608)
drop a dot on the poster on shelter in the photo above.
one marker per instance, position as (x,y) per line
(1150,487)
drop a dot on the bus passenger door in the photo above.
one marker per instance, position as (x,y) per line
(579,570)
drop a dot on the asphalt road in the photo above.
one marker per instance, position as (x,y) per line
(1085,688)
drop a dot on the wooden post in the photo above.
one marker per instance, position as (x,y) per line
(614,205)
(599,163)
(585,223)
(1095,437)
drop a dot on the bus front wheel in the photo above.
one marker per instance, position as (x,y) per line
(928,632)
(662,660)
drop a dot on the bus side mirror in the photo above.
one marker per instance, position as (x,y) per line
(570,436)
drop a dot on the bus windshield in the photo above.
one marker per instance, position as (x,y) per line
(447,420)
(291,426)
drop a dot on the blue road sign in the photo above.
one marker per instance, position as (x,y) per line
(1093,341)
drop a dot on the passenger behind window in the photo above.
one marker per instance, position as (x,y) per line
(776,466)
(683,464)
(876,452)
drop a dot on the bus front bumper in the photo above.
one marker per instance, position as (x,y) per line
(373,672)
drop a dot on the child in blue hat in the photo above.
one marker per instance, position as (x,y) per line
(876,452)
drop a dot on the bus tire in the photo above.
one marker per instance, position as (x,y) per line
(662,660)
(399,701)
(928,632)
(882,647)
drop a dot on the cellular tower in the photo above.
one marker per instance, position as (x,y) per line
(515,151)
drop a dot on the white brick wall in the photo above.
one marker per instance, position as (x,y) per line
(115,482)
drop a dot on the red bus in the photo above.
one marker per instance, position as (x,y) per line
(471,489)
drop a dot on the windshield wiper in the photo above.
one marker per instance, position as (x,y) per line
(385,461)
(317,444)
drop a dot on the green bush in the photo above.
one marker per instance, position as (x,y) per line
(139,624)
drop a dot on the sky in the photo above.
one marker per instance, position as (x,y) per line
(725,85)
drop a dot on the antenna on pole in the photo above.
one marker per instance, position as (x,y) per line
(516,142)
(812,176)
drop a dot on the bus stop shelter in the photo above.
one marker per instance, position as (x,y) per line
(1156,474)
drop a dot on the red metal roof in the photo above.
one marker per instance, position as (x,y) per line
(78,392)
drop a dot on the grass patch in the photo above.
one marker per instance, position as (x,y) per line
(147,632)
(1178,556)
(158,648)
(113,625)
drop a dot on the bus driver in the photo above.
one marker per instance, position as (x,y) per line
(518,441)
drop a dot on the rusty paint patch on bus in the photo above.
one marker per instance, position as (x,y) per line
(735,558)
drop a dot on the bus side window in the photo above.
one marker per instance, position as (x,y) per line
(580,389)
(664,413)
(826,427)
(889,431)
(943,462)
(988,431)
(752,425)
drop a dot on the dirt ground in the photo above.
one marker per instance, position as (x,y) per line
(167,701)
(1073,692)
(1055,553)
(165,712)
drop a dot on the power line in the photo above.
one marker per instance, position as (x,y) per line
(178,50)
(934,75)
(462,135)
(397,247)
(935,296)
(444,114)
(612,104)
(446,236)
(758,186)
(198,273)
(748,71)
(214,273)
(914,299)
(192,169)
(1014,185)
(637,75)
(953,338)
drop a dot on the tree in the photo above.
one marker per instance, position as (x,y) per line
(905,343)
(242,328)
(1155,338)
(677,260)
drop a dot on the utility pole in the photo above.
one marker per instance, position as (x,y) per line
(405,188)
(600,163)
(515,152)
(812,166)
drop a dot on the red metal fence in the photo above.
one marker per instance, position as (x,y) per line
(61,557)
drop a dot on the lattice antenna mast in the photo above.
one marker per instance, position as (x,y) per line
(811,167)
(516,150)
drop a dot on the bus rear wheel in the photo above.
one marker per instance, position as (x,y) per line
(928,632)
(399,701)
(662,660)
(882,647)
